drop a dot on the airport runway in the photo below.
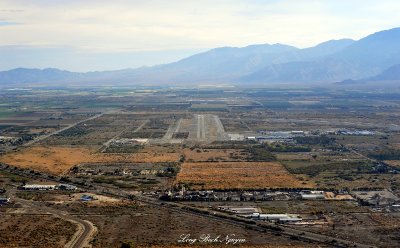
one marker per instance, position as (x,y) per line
(201,129)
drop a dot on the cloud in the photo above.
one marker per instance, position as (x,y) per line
(7,23)
(174,24)
(100,26)
(11,10)
(79,60)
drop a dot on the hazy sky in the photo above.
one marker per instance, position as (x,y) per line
(85,35)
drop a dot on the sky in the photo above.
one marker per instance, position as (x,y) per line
(87,35)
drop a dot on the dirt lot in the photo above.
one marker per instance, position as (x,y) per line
(34,231)
(98,199)
(238,175)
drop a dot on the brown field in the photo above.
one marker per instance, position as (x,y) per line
(395,163)
(144,157)
(56,160)
(238,175)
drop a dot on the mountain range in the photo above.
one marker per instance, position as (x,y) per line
(373,58)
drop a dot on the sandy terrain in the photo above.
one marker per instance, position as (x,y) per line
(238,175)
(333,196)
(34,231)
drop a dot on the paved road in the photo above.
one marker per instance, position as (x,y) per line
(221,134)
(86,230)
(173,128)
(245,124)
(83,238)
(108,143)
(40,138)
(141,126)
(201,130)
(362,155)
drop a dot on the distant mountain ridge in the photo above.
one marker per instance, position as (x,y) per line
(390,74)
(361,59)
(333,61)
(24,75)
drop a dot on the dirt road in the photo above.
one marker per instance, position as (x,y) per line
(60,130)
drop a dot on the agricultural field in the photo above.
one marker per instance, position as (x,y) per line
(239,175)
(58,159)
(53,160)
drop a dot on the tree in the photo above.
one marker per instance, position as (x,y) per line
(128,244)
